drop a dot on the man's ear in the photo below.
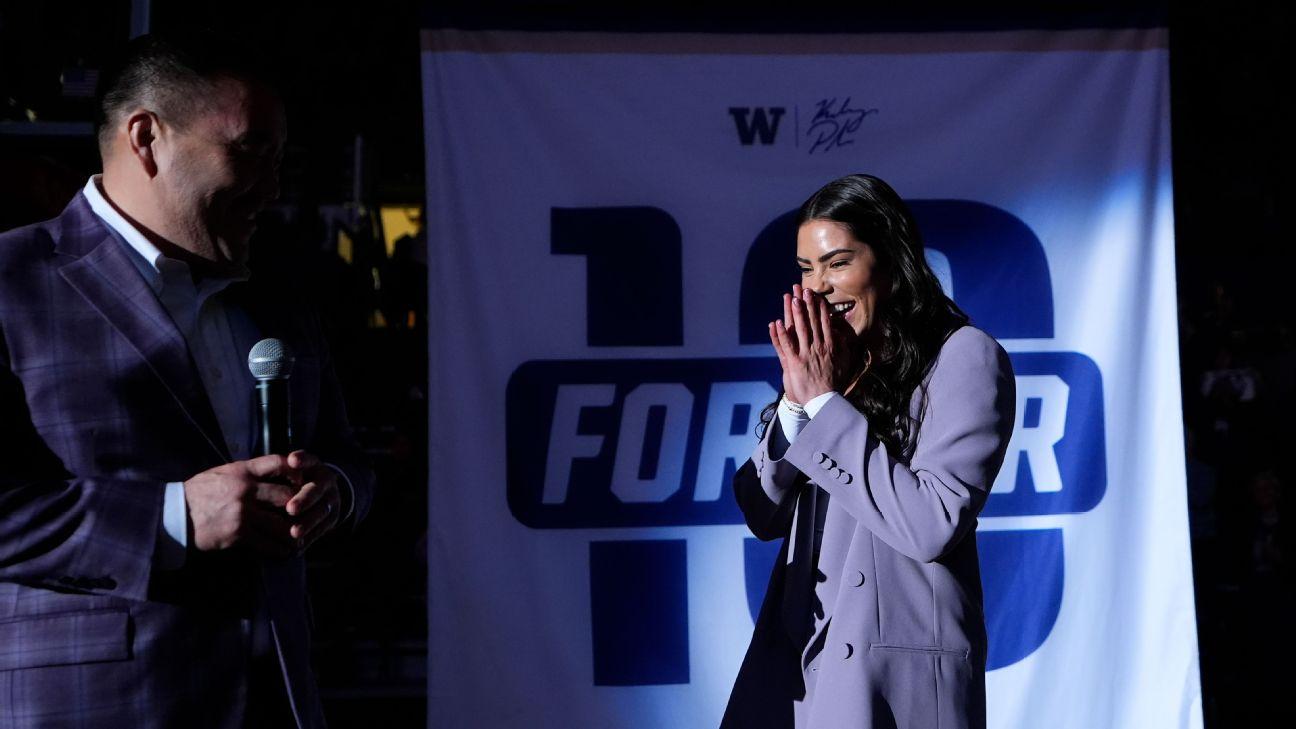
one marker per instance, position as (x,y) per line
(142,129)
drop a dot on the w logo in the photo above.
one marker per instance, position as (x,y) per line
(758,122)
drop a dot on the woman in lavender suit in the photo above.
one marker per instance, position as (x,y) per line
(872,467)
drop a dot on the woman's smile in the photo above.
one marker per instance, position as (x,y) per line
(840,269)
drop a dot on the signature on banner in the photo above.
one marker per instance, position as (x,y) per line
(835,124)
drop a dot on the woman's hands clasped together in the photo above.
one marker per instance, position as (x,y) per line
(812,351)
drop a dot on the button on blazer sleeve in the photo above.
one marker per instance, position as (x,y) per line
(925,507)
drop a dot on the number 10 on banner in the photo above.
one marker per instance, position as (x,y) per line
(655,442)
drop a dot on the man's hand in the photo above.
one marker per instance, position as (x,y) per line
(242,503)
(275,505)
(317,506)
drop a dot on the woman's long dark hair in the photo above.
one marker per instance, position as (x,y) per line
(914,316)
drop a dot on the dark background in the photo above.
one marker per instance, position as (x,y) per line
(353,92)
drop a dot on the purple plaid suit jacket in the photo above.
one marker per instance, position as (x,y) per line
(100,407)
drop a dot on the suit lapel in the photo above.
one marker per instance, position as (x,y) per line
(272,313)
(108,280)
(242,307)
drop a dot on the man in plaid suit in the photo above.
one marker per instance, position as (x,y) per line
(150,567)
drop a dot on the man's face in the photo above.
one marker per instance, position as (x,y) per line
(224,169)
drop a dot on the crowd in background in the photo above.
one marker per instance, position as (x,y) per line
(1239,372)
(368,588)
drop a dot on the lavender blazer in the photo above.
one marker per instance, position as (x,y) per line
(901,641)
(100,407)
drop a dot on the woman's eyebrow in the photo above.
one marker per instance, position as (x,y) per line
(825,256)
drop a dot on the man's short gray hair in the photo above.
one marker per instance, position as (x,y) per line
(171,76)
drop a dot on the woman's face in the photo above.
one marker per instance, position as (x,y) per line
(841,269)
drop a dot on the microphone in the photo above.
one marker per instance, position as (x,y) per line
(271,363)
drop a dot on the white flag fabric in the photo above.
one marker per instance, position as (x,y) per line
(610,228)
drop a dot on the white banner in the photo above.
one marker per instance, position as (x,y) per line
(610,229)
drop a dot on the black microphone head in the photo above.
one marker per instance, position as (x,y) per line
(271,359)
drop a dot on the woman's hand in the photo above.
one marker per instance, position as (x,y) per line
(807,348)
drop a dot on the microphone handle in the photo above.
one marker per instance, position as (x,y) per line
(272,411)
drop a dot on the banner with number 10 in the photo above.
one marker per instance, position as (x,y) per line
(611,225)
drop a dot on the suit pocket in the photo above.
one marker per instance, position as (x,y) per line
(921,650)
(92,636)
